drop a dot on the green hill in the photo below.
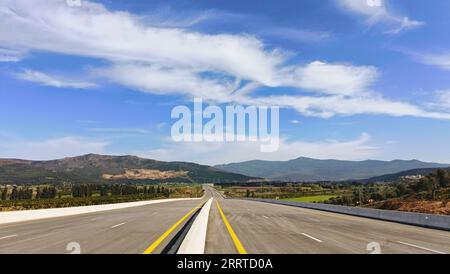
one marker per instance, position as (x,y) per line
(93,168)
(307,169)
(396,176)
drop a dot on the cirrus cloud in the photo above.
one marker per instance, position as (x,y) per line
(53,81)
(378,12)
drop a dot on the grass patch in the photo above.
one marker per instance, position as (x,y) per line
(311,199)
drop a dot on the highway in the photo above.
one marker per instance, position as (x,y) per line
(265,228)
(122,231)
(233,227)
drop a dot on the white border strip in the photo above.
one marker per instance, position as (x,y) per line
(195,240)
(31,215)
(421,247)
(311,237)
(7,237)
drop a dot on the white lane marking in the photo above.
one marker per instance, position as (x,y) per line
(7,237)
(311,237)
(421,247)
(313,219)
(114,226)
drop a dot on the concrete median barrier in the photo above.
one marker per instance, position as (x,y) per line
(195,240)
(418,219)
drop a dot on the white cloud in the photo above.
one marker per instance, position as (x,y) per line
(225,68)
(167,17)
(341,79)
(441,101)
(443,97)
(227,152)
(133,131)
(298,35)
(53,81)
(329,106)
(441,60)
(326,78)
(346,89)
(49,149)
(404,24)
(92,30)
(11,55)
(378,12)
(159,80)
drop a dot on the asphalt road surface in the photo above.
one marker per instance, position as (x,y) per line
(234,226)
(121,231)
(264,228)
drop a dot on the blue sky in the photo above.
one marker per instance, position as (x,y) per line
(355,79)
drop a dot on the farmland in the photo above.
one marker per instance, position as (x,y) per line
(48,196)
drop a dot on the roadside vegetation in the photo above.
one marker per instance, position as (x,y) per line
(310,192)
(424,194)
(429,194)
(48,196)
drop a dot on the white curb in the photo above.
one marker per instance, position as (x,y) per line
(194,242)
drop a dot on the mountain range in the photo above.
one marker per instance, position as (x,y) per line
(94,168)
(306,169)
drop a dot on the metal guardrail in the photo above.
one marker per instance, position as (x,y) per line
(410,218)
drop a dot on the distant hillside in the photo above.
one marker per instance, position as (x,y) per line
(306,169)
(395,176)
(115,169)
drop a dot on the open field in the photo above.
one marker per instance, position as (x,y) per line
(279,191)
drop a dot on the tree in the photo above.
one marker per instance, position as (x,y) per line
(151,190)
(54,192)
(38,193)
(88,191)
(401,190)
(422,185)
(115,190)
(103,191)
(5,193)
(14,194)
(433,186)
(441,176)
(166,192)
(26,194)
(359,195)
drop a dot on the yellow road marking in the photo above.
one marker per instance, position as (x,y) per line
(170,230)
(237,243)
